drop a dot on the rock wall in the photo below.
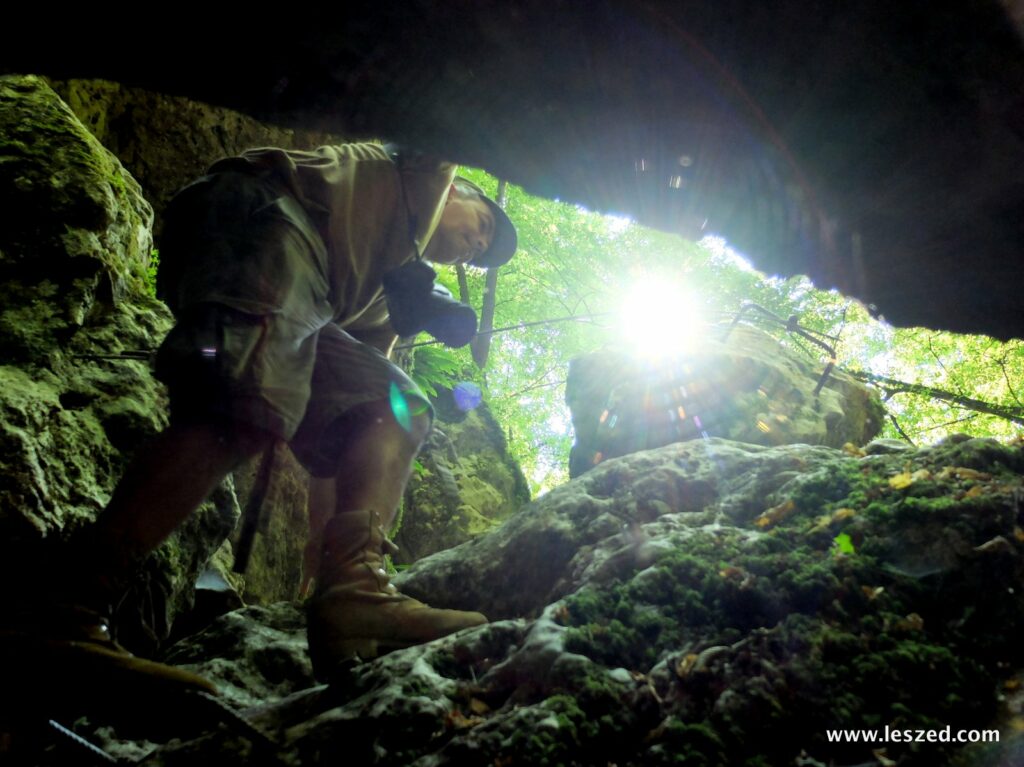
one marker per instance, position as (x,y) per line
(466,484)
(74,246)
(167,141)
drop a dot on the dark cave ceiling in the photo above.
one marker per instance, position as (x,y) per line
(877,147)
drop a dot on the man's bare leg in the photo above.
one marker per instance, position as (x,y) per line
(164,484)
(63,641)
(356,612)
(372,474)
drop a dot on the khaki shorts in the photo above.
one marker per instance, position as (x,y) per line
(244,269)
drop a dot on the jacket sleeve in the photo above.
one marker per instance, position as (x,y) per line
(374,329)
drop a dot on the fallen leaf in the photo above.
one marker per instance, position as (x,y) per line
(872,592)
(906,479)
(883,760)
(686,664)
(912,622)
(840,515)
(478,707)
(843,544)
(962,472)
(821,524)
(776,514)
(456,720)
(901,481)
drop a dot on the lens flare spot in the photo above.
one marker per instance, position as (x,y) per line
(400,407)
(467,396)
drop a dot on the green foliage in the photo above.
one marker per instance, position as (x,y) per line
(151,270)
(435,367)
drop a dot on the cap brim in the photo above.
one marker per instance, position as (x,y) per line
(505,240)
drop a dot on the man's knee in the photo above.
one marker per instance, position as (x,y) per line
(419,430)
(250,440)
(380,419)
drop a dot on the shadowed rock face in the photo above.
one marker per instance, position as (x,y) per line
(74,246)
(466,483)
(875,148)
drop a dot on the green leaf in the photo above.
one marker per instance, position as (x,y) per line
(843,544)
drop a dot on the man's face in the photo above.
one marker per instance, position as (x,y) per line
(464,232)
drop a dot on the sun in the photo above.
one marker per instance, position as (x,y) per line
(659,317)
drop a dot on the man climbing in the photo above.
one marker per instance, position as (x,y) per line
(275,265)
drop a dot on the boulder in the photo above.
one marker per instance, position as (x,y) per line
(747,387)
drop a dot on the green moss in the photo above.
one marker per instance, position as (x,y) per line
(686,744)
(151,271)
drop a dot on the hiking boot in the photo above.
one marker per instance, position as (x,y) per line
(65,655)
(56,638)
(356,612)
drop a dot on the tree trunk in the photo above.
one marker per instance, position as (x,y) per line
(481,346)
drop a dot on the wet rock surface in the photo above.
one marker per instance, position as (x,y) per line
(708,602)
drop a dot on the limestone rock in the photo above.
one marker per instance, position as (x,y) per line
(74,246)
(708,602)
(466,483)
(166,141)
(748,388)
(274,569)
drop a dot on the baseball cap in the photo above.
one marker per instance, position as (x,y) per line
(505,240)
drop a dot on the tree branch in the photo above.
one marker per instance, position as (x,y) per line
(899,428)
(1006,377)
(1016,415)
(464,296)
